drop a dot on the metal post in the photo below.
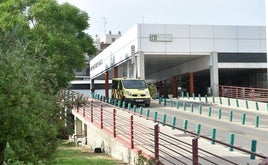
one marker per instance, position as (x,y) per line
(200,109)
(231,116)
(198,128)
(155,116)
(134,108)
(164,119)
(129,106)
(222,92)
(213,135)
(219,114)
(184,106)
(237,103)
(192,107)
(185,125)
(124,105)
(101,116)
(91,111)
(257,106)
(147,114)
(156,142)
(253,148)
(257,120)
(195,150)
(243,118)
(173,122)
(119,103)
(177,104)
(231,141)
(246,104)
(114,122)
(141,111)
(209,111)
(131,132)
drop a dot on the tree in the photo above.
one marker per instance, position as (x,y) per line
(60,29)
(41,43)
(29,110)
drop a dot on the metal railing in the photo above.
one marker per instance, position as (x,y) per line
(247,93)
(156,144)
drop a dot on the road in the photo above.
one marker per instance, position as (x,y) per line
(244,133)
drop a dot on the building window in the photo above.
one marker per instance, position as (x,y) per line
(113,39)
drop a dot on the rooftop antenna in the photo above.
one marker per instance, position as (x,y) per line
(104,25)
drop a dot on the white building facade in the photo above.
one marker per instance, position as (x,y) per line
(194,57)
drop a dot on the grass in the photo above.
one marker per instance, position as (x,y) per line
(69,154)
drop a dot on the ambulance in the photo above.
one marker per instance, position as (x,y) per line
(128,90)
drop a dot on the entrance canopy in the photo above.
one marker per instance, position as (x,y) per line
(148,50)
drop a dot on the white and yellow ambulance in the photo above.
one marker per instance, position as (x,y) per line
(128,90)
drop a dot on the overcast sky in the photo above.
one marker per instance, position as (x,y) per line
(121,15)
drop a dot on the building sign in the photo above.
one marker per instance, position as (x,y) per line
(161,37)
(97,64)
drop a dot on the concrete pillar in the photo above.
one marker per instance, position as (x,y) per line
(140,64)
(133,61)
(92,88)
(116,72)
(83,129)
(135,68)
(78,127)
(128,68)
(174,84)
(214,74)
(191,81)
(106,78)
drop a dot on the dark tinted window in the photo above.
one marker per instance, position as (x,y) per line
(134,84)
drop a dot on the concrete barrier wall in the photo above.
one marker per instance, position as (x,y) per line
(97,138)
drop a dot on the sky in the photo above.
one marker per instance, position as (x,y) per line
(121,15)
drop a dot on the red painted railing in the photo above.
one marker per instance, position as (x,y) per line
(257,94)
(155,144)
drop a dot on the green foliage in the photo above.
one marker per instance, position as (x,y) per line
(59,29)
(141,160)
(29,121)
(41,43)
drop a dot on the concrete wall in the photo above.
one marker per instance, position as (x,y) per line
(97,138)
